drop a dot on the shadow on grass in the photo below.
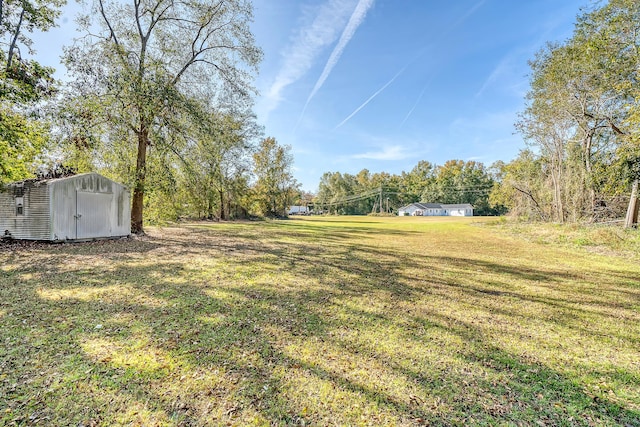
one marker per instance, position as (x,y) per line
(214,326)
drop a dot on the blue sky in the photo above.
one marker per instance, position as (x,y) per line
(383,84)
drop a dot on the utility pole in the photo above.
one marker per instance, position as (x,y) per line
(632,211)
(634,204)
(380,199)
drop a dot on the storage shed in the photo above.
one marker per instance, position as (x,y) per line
(80,207)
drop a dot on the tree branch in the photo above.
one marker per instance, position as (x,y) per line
(14,40)
(528,193)
(108,23)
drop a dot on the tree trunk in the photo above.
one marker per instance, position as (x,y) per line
(209,205)
(589,169)
(138,190)
(634,204)
(222,215)
(557,193)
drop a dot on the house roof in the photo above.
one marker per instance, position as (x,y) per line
(458,206)
(428,205)
(438,206)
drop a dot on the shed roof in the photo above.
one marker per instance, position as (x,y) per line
(47,181)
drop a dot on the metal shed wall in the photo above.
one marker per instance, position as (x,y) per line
(80,207)
(34,222)
(89,206)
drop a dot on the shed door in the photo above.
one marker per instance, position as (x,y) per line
(93,215)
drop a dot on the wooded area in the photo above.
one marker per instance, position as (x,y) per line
(160,98)
(581,123)
(454,182)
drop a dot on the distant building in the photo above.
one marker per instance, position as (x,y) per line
(298,210)
(436,209)
(80,207)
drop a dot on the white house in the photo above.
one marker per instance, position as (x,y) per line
(436,209)
(80,207)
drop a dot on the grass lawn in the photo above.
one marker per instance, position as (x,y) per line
(322,321)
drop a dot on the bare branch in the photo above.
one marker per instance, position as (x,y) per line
(530,195)
(108,23)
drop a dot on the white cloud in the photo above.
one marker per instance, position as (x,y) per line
(307,44)
(364,104)
(510,74)
(391,152)
(489,136)
(489,122)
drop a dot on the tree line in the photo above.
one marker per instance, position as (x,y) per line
(160,98)
(581,123)
(455,181)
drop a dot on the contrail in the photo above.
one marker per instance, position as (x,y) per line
(468,14)
(308,43)
(371,97)
(415,104)
(451,28)
(356,19)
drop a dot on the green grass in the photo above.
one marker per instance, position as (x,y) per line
(324,321)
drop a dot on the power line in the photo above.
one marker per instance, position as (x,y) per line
(378,192)
(354,197)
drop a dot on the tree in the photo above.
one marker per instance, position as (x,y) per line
(216,165)
(610,34)
(581,110)
(521,190)
(346,194)
(333,188)
(304,198)
(275,188)
(454,182)
(23,84)
(18,16)
(574,121)
(153,60)
(414,182)
(23,80)
(21,141)
(458,181)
